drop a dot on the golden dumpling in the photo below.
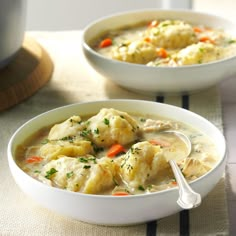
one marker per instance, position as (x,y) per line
(172,34)
(141,164)
(198,53)
(82,174)
(68,128)
(55,149)
(111,126)
(140,52)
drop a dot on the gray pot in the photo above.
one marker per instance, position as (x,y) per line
(12,28)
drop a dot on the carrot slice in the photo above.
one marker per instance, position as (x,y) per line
(34,159)
(148,40)
(115,149)
(120,194)
(197,29)
(153,23)
(159,142)
(206,39)
(105,43)
(161,52)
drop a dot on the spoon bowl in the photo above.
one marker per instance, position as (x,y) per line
(188,198)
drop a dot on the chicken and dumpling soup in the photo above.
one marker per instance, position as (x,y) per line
(168,43)
(115,153)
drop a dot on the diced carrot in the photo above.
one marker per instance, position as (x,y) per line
(105,43)
(115,149)
(206,39)
(159,142)
(197,29)
(162,53)
(34,159)
(120,194)
(148,40)
(153,23)
(174,182)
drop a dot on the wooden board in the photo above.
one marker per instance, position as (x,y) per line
(29,70)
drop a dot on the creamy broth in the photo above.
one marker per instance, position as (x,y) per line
(166,43)
(114,153)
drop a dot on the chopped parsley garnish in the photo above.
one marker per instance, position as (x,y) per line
(201,49)
(142,119)
(106,121)
(67,138)
(50,173)
(83,159)
(93,159)
(231,41)
(140,187)
(69,174)
(85,133)
(86,160)
(87,167)
(135,150)
(96,131)
(115,181)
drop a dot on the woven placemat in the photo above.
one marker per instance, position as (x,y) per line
(73,81)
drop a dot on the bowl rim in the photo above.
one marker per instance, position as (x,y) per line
(88,48)
(11,158)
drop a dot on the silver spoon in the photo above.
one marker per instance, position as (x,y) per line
(187,197)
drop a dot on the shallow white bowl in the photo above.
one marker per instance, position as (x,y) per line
(110,210)
(158,80)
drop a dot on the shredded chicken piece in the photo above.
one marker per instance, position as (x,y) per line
(158,125)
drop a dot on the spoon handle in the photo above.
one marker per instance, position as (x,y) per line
(187,197)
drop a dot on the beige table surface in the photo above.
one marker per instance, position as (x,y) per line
(72,68)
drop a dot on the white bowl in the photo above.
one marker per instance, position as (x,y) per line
(158,80)
(110,210)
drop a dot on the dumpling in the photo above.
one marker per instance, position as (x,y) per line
(111,126)
(82,174)
(73,148)
(198,53)
(141,164)
(67,139)
(68,128)
(140,52)
(172,34)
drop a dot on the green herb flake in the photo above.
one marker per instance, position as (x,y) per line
(93,159)
(141,188)
(201,50)
(82,159)
(115,181)
(85,133)
(106,121)
(50,173)
(149,187)
(69,174)
(96,131)
(87,167)
(231,41)
(142,119)
(67,138)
